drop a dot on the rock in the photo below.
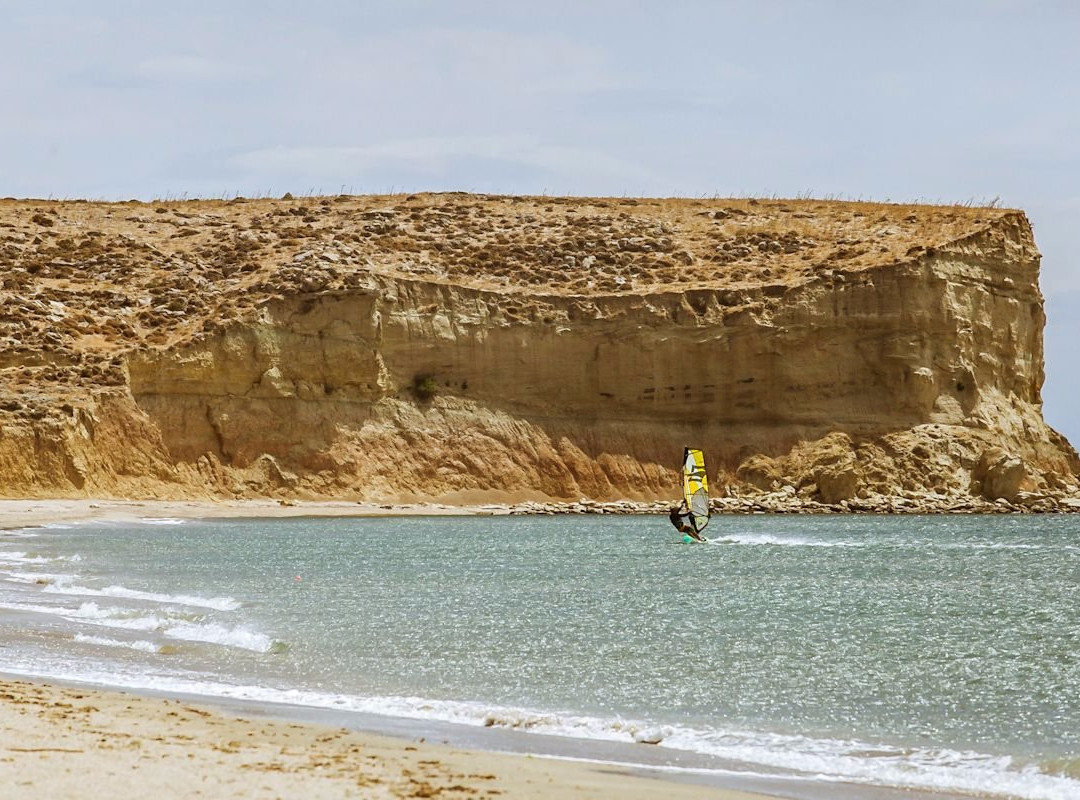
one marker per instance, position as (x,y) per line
(760,471)
(999,474)
(274,474)
(1028,499)
(922,388)
(837,483)
(649,736)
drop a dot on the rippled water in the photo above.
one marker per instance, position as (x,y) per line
(935,652)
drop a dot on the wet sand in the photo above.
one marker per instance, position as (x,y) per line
(70,742)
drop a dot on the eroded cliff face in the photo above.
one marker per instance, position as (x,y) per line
(916,368)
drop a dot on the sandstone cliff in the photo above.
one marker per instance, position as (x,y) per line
(484,348)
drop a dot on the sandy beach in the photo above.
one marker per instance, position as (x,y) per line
(64,742)
(22,513)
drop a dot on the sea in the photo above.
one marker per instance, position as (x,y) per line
(933,653)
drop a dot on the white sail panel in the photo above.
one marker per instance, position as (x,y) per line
(695,488)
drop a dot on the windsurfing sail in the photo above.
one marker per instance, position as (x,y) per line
(695,488)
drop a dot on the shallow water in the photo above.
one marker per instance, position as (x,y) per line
(933,652)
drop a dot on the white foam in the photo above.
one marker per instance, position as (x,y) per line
(171,626)
(36,577)
(999,546)
(195,630)
(213,633)
(860,762)
(161,521)
(36,609)
(141,644)
(217,603)
(20,557)
(779,540)
(815,759)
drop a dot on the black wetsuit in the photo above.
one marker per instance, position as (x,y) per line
(682,524)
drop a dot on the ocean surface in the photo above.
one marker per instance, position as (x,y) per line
(938,653)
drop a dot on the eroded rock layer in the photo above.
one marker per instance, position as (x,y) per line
(492,348)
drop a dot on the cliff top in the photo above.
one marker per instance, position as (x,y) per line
(557,244)
(81,281)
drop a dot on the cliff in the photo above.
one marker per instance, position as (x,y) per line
(480,348)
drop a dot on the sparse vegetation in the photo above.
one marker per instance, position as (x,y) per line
(84,281)
(425,387)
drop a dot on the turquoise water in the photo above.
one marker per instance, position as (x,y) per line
(931,652)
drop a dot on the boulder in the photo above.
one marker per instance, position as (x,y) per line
(838,482)
(760,471)
(999,474)
(649,736)
(272,473)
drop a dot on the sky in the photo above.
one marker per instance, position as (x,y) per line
(947,101)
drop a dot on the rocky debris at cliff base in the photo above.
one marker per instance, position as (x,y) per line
(940,466)
(786,503)
(998,475)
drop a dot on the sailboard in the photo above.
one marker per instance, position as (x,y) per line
(695,488)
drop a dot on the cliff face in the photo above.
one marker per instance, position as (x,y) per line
(839,349)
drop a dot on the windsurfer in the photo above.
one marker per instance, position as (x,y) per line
(680,518)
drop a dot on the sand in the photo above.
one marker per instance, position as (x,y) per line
(63,742)
(29,512)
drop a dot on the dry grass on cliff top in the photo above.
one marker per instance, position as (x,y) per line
(81,282)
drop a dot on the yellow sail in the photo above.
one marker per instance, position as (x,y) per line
(695,488)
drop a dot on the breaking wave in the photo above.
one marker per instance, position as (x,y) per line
(191,628)
(64,586)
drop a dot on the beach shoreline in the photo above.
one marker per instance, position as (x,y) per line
(60,740)
(30,512)
(58,737)
(68,741)
(64,738)
(33,512)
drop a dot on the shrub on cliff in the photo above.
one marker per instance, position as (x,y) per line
(424,387)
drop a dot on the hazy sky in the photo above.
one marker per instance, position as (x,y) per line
(943,100)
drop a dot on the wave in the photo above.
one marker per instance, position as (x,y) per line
(217,603)
(780,540)
(818,759)
(40,578)
(192,628)
(21,557)
(161,521)
(821,760)
(140,644)
(1001,546)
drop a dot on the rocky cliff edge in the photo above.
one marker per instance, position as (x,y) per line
(476,348)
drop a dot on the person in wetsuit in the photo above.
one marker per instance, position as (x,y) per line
(680,518)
